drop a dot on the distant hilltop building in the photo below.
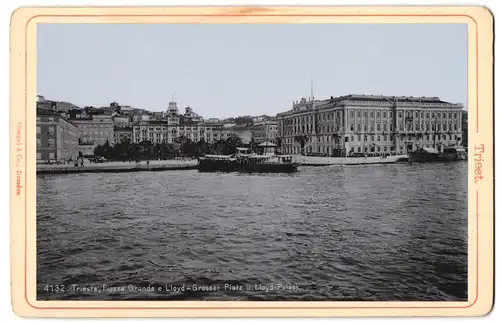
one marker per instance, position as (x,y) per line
(57,106)
(94,131)
(369,123)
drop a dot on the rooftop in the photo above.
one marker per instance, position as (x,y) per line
(322,104)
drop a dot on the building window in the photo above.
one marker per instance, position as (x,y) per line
(51,119)
(38,155)
(51,142)
(51,130)
(39,142)
(51,155)
(38,129)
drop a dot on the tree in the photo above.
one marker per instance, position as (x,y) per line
(120,151)
(147,149)
(188,148)
(133,151)
(99,151)
(89,110)
(231,143)
(164,150)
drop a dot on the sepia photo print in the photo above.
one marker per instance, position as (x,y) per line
(252,162)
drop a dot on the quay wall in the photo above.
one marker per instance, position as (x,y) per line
(327,161)
(118,167)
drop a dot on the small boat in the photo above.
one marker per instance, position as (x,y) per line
(429,155)
(244,161)
(454,153)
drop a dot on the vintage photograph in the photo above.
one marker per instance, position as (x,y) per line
(252,162)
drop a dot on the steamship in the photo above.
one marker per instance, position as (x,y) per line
(245,161)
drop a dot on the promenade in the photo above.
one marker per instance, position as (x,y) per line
(117,167)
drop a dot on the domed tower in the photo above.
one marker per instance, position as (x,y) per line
(172,108)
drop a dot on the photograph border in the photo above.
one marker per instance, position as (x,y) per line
(23,171)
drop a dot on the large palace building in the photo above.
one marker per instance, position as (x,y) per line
(369,124)
(189,125)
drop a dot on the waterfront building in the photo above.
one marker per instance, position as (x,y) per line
(175,125)
(188,125)
(154,131)
(265,131)
(369,124)
(56,137)
(95,130)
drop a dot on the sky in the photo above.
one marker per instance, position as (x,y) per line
(247,69)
